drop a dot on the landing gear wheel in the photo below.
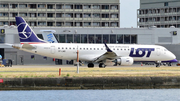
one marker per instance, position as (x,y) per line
(102,65)
(170,64)
(158,65)
(90,65)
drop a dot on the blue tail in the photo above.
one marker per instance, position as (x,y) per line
(26,34)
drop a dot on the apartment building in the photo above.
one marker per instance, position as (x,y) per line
(159,13)
(62,13)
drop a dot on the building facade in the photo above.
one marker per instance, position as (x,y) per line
(159,13)
(62,13)
(168,37)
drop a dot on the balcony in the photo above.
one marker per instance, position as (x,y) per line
(87,19)
(96,19)
(23,10)
(96,10)
(87,10)
(114,10)
(14,10)
(114,19)
(4,9)
(32,18)
(59,19)
(41,10)
(41,18)
(50,10)
(68,10)
(69,19)
(78,19)
(12,18)
(78,10)
(51,19)
(105,19)
(105,10)
(4,18)
(59,10)
(32,10)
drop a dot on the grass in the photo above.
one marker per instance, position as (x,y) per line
(50,72)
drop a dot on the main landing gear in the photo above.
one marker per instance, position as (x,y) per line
(158,64)
(101,65)
(90,65)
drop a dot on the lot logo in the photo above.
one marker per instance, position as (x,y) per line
(50,36)
(140,52)
(24,31)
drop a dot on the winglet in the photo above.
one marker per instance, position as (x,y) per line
(107,48)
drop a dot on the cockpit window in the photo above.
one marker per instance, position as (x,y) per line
(165,50)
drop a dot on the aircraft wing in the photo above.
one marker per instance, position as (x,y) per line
(28,46)
(108,55)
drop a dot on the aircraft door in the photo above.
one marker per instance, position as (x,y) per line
(53,49)
(158,51)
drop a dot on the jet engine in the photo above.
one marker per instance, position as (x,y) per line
(124,61)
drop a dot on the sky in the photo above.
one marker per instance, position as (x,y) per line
(128,13)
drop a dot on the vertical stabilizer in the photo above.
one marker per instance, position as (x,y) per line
(26,34)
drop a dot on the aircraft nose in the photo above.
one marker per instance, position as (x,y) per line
(173,56)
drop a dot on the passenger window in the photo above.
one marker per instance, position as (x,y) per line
(87,48)
(58,47)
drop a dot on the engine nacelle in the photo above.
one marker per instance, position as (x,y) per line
(125,61)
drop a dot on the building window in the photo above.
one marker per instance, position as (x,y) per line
(49,23)
(86,24)
(133,39)
(41,6)
(98,38)
(96,6)
(77,38)
(113,38)
(96,24)
(2,37)
(22,6)
(106,38)
(166,4)
(69,38)
(50,14)
(127,39)
(49,6)
(91,38)
(120,38)
(62,38)
(84,38)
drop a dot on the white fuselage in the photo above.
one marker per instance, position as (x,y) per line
(88,52)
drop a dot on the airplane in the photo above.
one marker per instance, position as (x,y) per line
(121,54)
(49,36)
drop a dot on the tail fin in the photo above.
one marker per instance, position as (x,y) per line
(49,36)
(26,34)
